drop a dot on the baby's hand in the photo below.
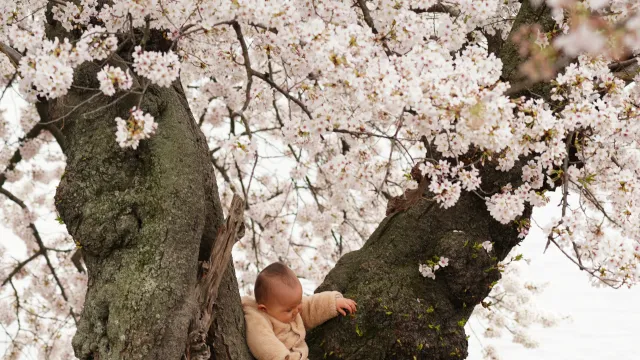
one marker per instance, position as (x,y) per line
(343,304)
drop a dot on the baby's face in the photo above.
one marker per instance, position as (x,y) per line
(285,302)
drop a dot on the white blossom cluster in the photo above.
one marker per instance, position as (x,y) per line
(47,68)
(447,181)
(429,269)
(111,77)
(137,127)
(161,68)
(74,15)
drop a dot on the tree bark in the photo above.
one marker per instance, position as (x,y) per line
(143,217)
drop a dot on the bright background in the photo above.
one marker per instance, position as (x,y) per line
(603,323)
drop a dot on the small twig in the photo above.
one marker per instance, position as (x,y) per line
(580,266)
(13,55)
(251,176)
(591,197)
(13,77)
(17,157)
(565,183)
(266,79)
(74,108)
(19,267)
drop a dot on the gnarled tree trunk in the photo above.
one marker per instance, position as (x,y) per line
(143,218)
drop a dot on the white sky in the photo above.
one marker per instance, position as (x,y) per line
(604,322)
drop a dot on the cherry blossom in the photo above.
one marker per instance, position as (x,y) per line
(160,68)
(111,77)
(487,245)
(431,266)
(137,127)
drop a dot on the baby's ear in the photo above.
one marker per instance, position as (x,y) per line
(262,308)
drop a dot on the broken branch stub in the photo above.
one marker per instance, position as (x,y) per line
(212,272)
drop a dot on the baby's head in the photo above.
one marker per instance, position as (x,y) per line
(278,292)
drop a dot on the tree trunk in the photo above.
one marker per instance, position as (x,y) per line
(401,314)
(142,217)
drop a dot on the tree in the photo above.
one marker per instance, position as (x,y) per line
(454,118)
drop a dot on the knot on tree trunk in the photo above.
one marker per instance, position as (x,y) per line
(198,349)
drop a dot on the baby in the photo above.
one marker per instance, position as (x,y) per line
(278,317)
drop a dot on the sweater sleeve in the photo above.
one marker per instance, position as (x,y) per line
(319,308)
(262,341)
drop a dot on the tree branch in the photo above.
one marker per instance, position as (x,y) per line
(266,79)
(247,65)
(15,159)
(13,54)
(58,135)
(625,70)
(367,16)
(438,8)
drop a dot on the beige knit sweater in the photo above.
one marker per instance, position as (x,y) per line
(270,339)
